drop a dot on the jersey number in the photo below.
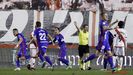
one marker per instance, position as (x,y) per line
(42,36)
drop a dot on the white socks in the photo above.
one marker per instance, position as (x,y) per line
(32,62)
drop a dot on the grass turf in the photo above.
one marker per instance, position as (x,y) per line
(10,71)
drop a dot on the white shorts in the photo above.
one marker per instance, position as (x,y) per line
(119,51)
(33,52)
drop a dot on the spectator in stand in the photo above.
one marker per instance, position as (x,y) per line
(54,4)
(48,4)
(5,4)
(41,4)
(88,5)
(66,4)
(52,7)
(34,4)
(75,4)
(57,4)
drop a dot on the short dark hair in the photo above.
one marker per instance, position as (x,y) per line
(102,13)
(84,25)
(38,24)
(57,28)
(15,29)
(121,24)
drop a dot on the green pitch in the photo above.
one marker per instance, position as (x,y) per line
(10,71)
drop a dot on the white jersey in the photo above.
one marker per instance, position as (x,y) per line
(118,42)
(33,50)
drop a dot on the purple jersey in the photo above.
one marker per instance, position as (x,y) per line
(60,39)
(103,43)
(23,43)
(41,36)
(102,31)
(23,47)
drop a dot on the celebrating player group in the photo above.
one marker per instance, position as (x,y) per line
(110,46)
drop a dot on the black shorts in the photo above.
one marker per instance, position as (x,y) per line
(83,49)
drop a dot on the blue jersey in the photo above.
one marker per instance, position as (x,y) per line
(41,36)
(60,39)
(23,43)
(23,49)
(103,33)
(103,43)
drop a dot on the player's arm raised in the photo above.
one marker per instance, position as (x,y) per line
(75,23)
(110,25)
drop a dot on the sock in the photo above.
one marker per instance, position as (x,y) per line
(81,65)
(64,61)
(114,61)
(17,63)
(110,60)
(41,57)
(91,57)
(117,61)
(88,64)
(121,61)
(105,62)
(48,60)
(32,62)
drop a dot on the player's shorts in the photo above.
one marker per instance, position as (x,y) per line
(42,48)
(83,49)
(42,51)
(33,52)
(62,52)
(103,46)
(23,53)
(119,51)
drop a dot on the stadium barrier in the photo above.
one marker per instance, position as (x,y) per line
(7,57)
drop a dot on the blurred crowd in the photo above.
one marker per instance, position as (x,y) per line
(63,4)
(15,4)
(48,4)
(118,4)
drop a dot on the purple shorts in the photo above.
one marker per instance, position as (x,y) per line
(42,47)
(103,46)
(23,52)
(62,52)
